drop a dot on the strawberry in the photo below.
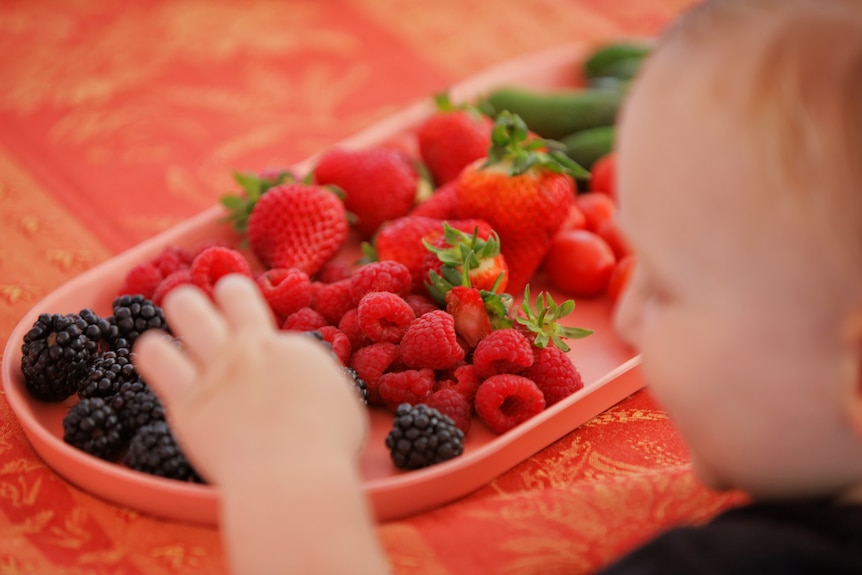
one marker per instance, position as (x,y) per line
(472,323)
(401,240)
(289,225)
(443,203)
(524,190)
(452,138)
(461,258)
(379,184)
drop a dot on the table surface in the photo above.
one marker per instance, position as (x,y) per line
(119,120)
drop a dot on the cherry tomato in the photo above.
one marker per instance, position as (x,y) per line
(579,263)
(596,207)
(604,175)
(610,231)
(576,220)
(621,276)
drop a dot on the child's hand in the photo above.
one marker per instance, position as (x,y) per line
(242,396)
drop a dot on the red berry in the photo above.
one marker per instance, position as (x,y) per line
(142,279)
(214,263)
(176,279)
(384,316)
(370,363)
(332,300)
(304,319)
(451,139)
(502,351)
(506,400)
(420,304)
(173,258)
(463,379)
(379,183)
(409,386)
(339,342)
(453,405)
(431,341)
(442,205)
(286,290)
(381,276)
(333,271)
(554,373)
(349,326)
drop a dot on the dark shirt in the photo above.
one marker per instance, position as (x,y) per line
(814,537)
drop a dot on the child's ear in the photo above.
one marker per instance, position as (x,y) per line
(852,375)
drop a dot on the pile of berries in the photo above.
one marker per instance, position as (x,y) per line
(457,349)
(117,417)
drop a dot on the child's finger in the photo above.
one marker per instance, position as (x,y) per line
(242,303)
(163,366)
(195,320)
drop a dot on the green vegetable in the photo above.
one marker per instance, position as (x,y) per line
(557,113)
(587,146)
(619,59)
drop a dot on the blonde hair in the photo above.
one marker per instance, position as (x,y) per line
(794,67)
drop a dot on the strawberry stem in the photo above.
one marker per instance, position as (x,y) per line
(543,320)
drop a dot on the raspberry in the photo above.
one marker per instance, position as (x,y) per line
(384,316)
(207,244)
(134,314)
(304,319)
(333,300)
(176,279)
(408,386)
(359,383)
(56,355)
(554,373)
(92,426)
(383,276)
(349,326)
(142,279)
(370,362)
(333,271)
(213,263)
(286,290)
(422,436)
(420,304)
(431,341)
(503,401)
(154,450)
(108,371)
(463,380)
(338,341)
(502,351)
(454,406)
(172,259)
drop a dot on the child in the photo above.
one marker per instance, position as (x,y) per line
(741,188)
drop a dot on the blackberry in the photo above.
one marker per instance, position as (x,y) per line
(108,371)
(422,436)
(358,383)
(56,355)
(136,405)
(99,330)
(133,315)
(92,426)
(154,450)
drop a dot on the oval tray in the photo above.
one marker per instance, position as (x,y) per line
(603,360)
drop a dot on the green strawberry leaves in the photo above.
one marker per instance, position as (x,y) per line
(511,142)
(543,320)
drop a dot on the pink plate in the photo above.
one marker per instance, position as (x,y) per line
(603,360)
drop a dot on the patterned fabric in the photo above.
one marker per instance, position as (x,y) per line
(121,119)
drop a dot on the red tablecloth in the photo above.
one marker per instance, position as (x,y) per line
(121,119)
